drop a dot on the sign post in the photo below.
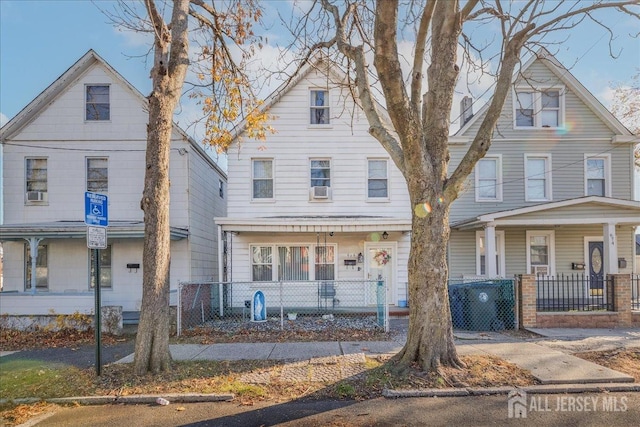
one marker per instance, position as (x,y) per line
(97,219)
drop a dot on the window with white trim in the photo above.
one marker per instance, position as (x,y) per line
(377,179)
(97,105)
(481,269)
(488,179)
(538,109)
(105,268)
(597,175)
(537,174)
(42,268)
(319,107)
(262,179)
(540,252)
(293,262)
(97,174)
(36,180)
(320,172)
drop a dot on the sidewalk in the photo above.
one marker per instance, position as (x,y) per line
(342,359)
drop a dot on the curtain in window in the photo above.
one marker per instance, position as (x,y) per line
(262,264)
(293,263)
(377,182)
(325,263)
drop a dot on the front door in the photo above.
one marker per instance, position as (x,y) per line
(596,276)
(380,262)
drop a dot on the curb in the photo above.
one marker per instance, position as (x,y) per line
(132,399)
(534,389)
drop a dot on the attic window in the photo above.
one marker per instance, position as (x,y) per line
(319,107)
(97,105)
(539,109)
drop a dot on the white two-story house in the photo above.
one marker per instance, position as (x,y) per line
(319,200)
(554,194)
(87,132)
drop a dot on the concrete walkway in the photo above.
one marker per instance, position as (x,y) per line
(342,359)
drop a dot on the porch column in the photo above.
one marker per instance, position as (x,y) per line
(610,248)
(491,269)
(33,251)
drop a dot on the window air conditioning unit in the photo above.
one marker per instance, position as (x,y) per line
(321,192)
(36,196)
(541,270)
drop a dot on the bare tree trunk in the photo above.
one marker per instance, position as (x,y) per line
(170,64)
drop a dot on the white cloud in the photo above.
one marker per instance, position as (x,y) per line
(3,119)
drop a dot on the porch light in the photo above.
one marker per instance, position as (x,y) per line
(385,235)
(360,258)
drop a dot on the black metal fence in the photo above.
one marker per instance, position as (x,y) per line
(482,305)
(283,305)
(575,292)
(635,292)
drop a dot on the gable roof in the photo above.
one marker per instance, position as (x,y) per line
(47,96)
(547,59)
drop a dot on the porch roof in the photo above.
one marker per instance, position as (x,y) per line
(78,229)
(307,223)
(579,211)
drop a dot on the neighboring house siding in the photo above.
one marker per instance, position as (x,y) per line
(345,141)
(585,134)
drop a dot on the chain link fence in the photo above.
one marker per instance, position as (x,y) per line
(301,305)
(479,304)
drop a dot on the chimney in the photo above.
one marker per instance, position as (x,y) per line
(466,110)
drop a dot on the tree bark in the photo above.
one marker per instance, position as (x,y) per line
(168,73)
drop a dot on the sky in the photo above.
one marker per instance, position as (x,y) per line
(41,39)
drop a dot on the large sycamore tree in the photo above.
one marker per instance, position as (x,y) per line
(415,128)
(223,88)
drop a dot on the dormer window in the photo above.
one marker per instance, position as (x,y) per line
(319,107)
(541,109)
(97,106)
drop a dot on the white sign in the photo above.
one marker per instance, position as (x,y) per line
(96,237)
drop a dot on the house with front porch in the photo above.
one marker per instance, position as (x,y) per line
(87,132)
(554,194)
(321,199)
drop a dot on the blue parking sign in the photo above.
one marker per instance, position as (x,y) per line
(96,209)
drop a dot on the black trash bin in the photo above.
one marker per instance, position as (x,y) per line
(481,313)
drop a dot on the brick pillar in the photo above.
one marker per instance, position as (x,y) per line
(527,294)
(622,297)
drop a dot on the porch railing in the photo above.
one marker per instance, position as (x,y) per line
(635,292)
(575,292)
(284,304)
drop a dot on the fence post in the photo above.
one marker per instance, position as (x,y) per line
(179,310)
(622,297)
(528,295)
(281,308)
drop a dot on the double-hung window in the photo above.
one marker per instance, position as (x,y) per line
(320,173)
(293,263)
(97,175)
(377,179)
(319,107)
(597,175)
(42,268)
(262,178)
(538,109)
(261,263)
(488,179)
(36,180)
(325,263)
(105,268)
(481,265)
(540,252)
(537,174)
(97,105)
